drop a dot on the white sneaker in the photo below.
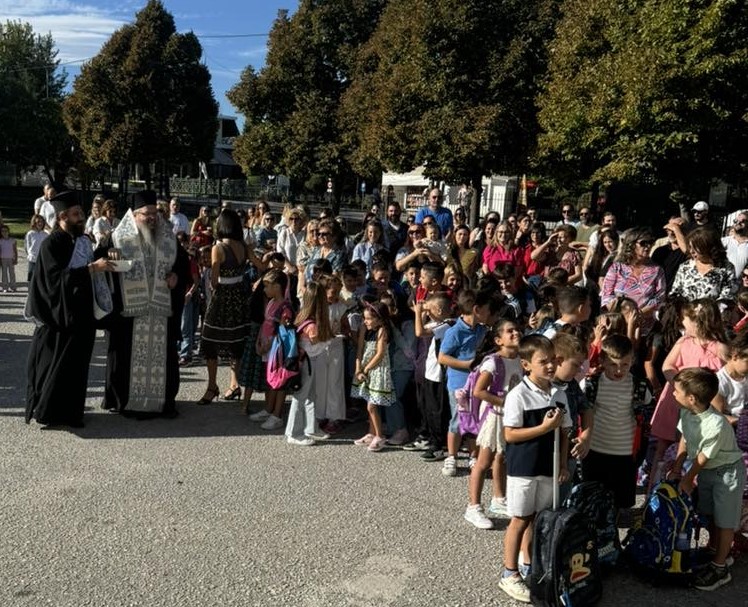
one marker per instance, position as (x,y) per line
(260,416)
(272,423)
(301,442)
(497,508)
(450,466)
(471,462)
(318,435)
(515,587)
(474,515)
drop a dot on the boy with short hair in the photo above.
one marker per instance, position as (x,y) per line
(709,441)
(457,351)
(532,411)
(411,279)
(574,307)
(570,357)
(430,280)
(610,459)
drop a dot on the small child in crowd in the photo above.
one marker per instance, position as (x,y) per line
(503,366)
(457,352)
(733,380)
(8,259)
(32,241)
(709,441)
(372,377)
(532,411)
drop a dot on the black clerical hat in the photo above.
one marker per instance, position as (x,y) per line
(65,200)
(144,198)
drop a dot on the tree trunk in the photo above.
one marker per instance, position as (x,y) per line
(477,183)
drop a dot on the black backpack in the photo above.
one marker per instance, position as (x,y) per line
(565,569)
(592,499)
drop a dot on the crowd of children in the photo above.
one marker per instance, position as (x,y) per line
(537,352)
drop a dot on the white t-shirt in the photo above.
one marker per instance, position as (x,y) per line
(512,375)
(433,368)
(737,253)
(179,223)
(734,391)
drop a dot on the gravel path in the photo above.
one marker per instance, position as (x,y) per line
(209,510)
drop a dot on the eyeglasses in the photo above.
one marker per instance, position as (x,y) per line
(645,243)
(323,234)
(699,212)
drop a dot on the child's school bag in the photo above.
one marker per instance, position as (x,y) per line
(592,499)
(659,545)
(284,360)
(565,570)
(468,405)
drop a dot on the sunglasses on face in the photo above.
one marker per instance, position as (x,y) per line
(645,243)
(745,276)
(699,212)
(583,214)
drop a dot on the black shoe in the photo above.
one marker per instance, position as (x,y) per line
(712,577)
(170,414)
(420,444)
(433,455)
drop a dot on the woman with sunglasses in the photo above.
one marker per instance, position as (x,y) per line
(415,249)
(636,276)
(304,251)
(329,248)
(708,274)
(291,238)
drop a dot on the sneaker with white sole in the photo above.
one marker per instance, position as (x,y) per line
(420,444)
(497,509)
(712,577)
(450,466)
(433,455)
(301,442)
(474,515)
(260,416)
(272,423)
(318,435)
(515,587)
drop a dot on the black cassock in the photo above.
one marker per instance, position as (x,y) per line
(119,351)
(62,300)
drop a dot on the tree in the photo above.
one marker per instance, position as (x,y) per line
(647,91)
(450,85)
(31,90)
(145,97)
(291,104)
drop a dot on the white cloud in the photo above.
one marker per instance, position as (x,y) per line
(78,30)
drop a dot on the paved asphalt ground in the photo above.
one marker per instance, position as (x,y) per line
(209,510)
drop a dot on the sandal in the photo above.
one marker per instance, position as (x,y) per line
(210,395)
(233,394)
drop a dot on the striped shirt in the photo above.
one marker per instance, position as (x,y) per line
(614,426)
(647,289)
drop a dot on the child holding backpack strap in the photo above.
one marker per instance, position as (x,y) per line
(498,373)
(313,327)
(708,440)
(372,380)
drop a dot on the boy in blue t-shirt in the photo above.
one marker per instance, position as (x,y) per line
(457,352)
(532,411)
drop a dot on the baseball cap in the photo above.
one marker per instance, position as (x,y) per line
(700,206)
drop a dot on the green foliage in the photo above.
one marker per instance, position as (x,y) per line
(145,96)
(650,91)
(291,105)
(31,89)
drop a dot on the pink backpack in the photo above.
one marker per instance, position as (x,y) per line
(468,405)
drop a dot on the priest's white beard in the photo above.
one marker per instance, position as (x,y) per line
(148,235)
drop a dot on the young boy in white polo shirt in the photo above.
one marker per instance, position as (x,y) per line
(709,441)
(532,410)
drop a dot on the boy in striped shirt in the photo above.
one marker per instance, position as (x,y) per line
(610,460)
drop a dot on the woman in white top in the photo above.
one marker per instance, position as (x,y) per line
(98,201)
(103,226)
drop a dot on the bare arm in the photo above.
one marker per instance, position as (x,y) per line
(481,390)
(668,367)
(379,353)
(454,363)
(216,259)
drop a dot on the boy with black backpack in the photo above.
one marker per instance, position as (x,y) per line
(532,410)
(709,441)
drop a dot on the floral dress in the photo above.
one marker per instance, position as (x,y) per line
(377,388)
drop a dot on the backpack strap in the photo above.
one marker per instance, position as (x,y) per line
(591,385)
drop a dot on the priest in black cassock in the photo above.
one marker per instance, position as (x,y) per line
(142,375)
(61,304)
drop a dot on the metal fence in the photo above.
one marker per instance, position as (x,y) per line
(234,189)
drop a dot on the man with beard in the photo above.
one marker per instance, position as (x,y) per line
(142,376)
(395,231)
(736,244)
(674,252)
(61,304)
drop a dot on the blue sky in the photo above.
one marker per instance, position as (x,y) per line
(79,30)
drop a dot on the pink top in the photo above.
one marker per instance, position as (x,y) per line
(494,255)
(665,418)
(7,248)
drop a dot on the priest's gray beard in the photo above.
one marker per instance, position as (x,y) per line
(148,236)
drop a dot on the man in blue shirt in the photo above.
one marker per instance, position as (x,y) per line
(442,215)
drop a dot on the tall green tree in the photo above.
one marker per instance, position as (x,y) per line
(31,91)
(648,91)
(450,85)
(291,105)
(145,97)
